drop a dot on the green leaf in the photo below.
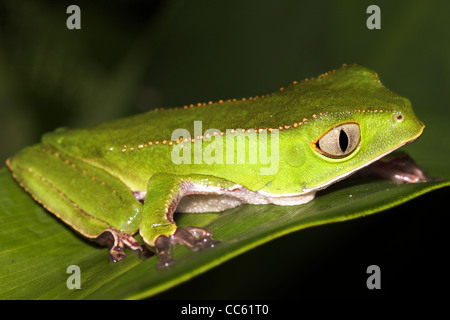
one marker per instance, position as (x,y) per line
(126,61)
(36,248)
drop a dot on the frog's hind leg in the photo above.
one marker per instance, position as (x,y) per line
(117,241)
(85,197)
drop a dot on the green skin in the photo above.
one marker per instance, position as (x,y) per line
(92,178)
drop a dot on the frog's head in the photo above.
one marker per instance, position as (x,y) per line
(355,122)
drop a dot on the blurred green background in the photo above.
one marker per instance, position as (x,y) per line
(133,56)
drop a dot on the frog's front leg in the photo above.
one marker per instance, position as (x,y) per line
(157,227)
(398,167)
(189,236)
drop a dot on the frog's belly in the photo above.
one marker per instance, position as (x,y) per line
(213,199)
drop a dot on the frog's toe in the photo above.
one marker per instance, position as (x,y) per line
(208,243)
(116,254)
(203,237)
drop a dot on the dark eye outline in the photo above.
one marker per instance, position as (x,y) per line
(316,144)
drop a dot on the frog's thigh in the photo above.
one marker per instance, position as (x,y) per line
(85,197)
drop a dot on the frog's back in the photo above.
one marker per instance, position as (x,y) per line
(277,110)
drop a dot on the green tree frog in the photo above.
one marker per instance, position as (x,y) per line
(115,179)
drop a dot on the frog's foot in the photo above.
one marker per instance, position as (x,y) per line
(400,169)
(117,242)
(192,237)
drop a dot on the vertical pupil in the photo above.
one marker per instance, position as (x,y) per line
(343,140)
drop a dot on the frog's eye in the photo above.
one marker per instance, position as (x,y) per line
(339,141)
